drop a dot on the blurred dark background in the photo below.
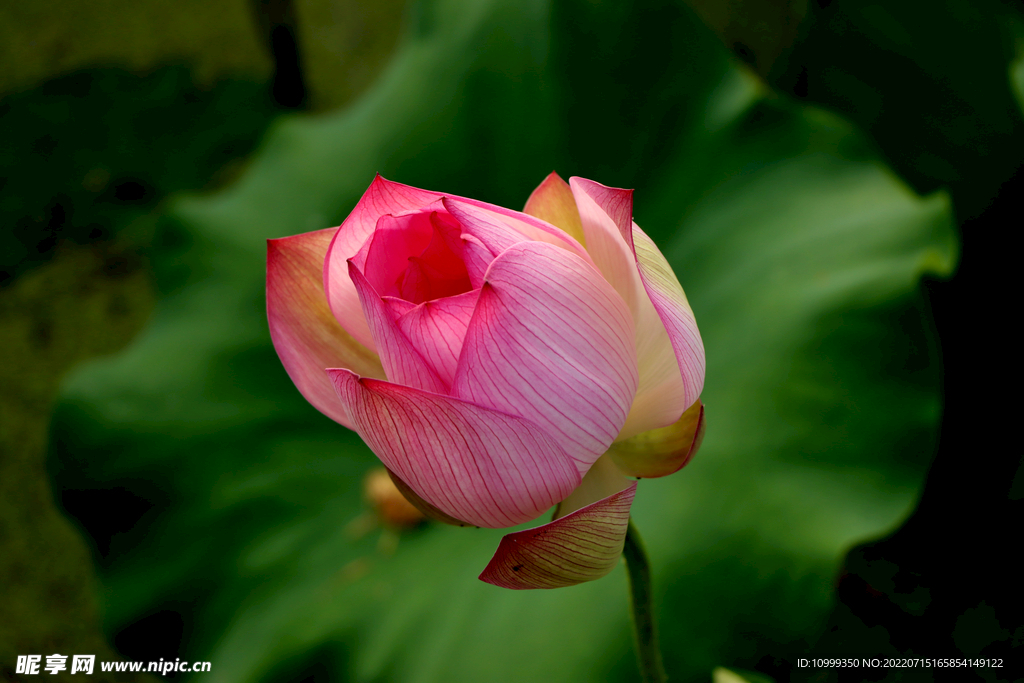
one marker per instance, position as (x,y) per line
(98,130)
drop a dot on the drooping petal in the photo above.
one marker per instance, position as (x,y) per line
(305,334)
(553,202)
(437,328)
(670,355)
(660,452)
(381,198)
(552,342)
(499,228)
(402,363)
(474,464)
(582,546)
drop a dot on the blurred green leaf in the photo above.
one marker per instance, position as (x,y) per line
(723,675)
(1017,65)
(84,156)
(927,81)
(800,254)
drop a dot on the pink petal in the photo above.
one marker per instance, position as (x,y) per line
(423,506)
(660,452)
(487,227)
(306,336)
(553,202)
(381,198)
(611,254)
(552,342)
(477,258)
(581,546)
(669,351)
(402,362)
(474,464)
(499,228)
(436,329)
(389,248)
(670,301)
(438,271)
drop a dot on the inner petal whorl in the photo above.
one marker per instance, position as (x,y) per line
(415,256)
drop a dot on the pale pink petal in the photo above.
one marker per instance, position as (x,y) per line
(581,546)
(612,256)
(498,228)
(436,329)
(669,351)
(553,202)
(381,198)
(660,452)
(305,334)
(552,342)
(402,362)
(472,463)
(668,298)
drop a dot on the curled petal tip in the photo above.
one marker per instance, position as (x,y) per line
(553,202)
(660,452)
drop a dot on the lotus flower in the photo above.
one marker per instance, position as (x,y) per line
(499,362)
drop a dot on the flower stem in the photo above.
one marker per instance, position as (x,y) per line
(648,654)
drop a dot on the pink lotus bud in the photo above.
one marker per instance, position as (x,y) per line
(499,362)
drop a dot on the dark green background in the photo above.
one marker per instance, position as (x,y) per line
(218,504)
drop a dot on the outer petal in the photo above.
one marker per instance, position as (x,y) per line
(552,342)
(581,546)
(472,463)
(670,301)
(402,363)
(381,198)
(423,506)
(670,354)
(306,336)
(437,328)
(661,451)
(553,202)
